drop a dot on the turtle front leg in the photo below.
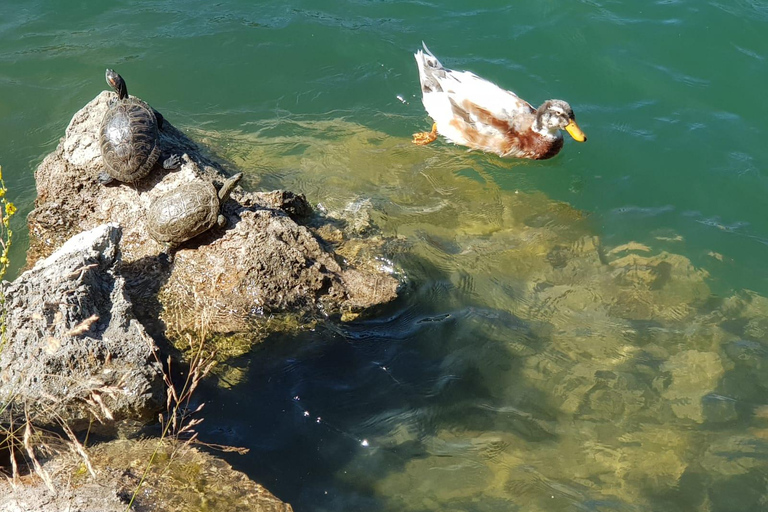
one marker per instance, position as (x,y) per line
(170,251)
(172,162)
(104,178)
(424,138)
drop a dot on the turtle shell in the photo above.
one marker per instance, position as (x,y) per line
(183,213)
(129,140)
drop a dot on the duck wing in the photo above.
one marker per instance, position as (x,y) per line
(449,93)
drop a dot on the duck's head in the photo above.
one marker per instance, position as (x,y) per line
(554,115)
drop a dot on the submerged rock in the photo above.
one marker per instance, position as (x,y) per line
(73,349)
(594,376)
(693,375)
(222,280)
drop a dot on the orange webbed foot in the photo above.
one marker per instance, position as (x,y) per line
(424,138)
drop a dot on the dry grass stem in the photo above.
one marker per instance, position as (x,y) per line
(42,473)
(83,326)
(77,446)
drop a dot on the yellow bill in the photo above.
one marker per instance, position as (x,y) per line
(574,131)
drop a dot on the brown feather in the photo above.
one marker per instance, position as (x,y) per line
(517,138)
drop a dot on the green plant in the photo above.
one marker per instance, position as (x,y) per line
(7,210)
(10,436)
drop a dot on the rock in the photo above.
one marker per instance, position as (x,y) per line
(694,375)
(296,206)
(221,281)
(181,479)
(73,348)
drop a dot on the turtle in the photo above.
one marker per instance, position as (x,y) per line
(129,136)
(187,211)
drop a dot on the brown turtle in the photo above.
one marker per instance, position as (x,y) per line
(187,211)
(129,136)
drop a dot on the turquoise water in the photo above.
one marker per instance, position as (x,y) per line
(516,372)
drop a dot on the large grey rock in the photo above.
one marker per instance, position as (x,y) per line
(73,349)
(221,281)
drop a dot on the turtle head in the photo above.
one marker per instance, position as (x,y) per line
(117,83)
(228,187)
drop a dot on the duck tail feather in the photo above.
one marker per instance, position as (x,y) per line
(430,61)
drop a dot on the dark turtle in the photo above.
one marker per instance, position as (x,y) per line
(187,211)
(129,136)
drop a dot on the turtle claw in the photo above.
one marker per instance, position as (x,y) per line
(172,162)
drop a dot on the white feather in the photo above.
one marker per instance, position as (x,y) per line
(445,90)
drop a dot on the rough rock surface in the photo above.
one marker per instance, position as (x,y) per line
(73,349)
(222,280)
(181,479)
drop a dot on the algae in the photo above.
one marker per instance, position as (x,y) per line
(179,478)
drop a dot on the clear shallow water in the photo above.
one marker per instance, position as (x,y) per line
(522,369)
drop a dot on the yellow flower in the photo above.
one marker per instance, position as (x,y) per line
(10,209)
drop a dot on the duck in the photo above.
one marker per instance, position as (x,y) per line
(470,111)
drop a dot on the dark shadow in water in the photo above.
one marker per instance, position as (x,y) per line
(328,413)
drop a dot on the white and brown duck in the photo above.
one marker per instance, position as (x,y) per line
(476,113)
